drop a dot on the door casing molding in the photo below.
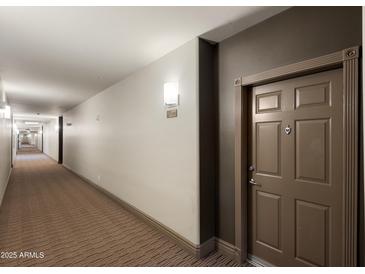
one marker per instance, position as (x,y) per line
(348,60)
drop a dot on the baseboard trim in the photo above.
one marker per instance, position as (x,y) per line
(198,251)
(50,157)
(227,249)
(3,191)
(206,248)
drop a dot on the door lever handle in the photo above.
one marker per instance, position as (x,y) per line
(252,182)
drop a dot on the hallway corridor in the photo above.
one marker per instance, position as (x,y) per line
(48,209)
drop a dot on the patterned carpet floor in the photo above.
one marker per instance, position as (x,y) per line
(62,221)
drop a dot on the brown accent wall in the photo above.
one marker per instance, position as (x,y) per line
(294,35)
(208,116)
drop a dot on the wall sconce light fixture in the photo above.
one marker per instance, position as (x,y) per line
(6,111)
(171,94)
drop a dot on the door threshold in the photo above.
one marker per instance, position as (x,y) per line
(258,262)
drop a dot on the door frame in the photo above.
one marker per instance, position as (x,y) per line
(348,60)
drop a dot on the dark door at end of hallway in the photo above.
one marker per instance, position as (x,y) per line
(295,187)
(60,139)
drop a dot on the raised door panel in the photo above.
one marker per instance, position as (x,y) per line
(268,212)
(268,140)
(312,151)
(268,102)
(312,95)
(312,233)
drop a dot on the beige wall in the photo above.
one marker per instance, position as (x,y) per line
(121,140)
(5,153)
(39,141)
(50,139)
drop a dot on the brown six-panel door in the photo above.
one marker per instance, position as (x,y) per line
(295,187)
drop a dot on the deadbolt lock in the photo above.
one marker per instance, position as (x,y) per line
(251,168)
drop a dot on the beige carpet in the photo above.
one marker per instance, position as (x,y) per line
(48,209)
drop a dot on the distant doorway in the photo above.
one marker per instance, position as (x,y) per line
(60,139)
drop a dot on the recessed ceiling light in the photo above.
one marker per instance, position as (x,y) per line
(31,123)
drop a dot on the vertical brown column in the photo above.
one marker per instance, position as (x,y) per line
(208,144)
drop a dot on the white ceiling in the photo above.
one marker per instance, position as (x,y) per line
(53,58)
